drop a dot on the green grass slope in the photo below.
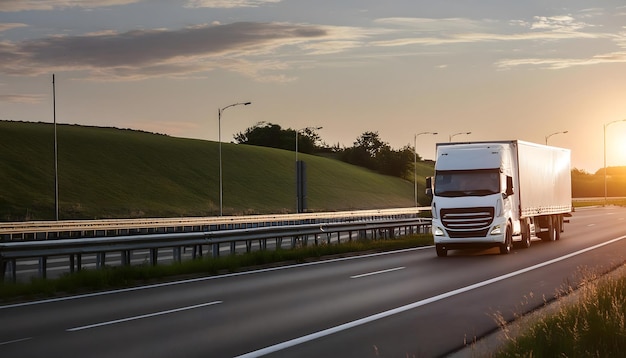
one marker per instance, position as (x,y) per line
(116,173)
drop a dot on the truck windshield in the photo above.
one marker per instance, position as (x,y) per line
(467,183)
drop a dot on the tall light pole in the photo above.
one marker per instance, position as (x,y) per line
(415,160)
(298,131)
(456,134)
(56,153)
(219,139)
(606,125)
(555,133)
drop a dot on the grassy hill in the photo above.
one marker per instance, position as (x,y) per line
(116,173)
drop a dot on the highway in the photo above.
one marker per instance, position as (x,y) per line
(394,304)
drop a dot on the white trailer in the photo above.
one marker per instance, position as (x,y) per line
(498,193)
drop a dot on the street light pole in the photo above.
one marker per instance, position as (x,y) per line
(56,153)
(219,139)
(298,131)
(555,133)
(415,161)
(456,134)
(606,125)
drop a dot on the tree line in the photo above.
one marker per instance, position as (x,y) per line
(368,150)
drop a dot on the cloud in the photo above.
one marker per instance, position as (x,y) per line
(426,31)
(562,63)
(150,53)
(227,4)
(10,26)
(28,5)
(557,23)
(21,98)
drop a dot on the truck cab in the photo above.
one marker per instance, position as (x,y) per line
(473,202)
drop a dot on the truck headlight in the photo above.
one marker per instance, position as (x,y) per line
(497,230)
(438,231)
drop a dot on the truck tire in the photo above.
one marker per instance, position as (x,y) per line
(551,229)
(441,250)
(550,233)
(525,243)
(507,246)
(557,227)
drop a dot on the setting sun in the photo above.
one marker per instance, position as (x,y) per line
(616,145)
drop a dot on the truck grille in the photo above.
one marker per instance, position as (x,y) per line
(467,222)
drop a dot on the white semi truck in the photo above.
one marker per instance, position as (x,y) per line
(494,193)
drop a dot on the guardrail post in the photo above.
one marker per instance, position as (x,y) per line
(197,251)
(233,248)
(215,250)
(154,255)
(125,257)
(3,269)
(43,266)
(72,263)
(177,254)
(100,259)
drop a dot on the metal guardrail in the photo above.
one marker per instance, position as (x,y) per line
(11,251)
(43,230)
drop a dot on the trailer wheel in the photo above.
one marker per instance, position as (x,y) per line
(507,246)
(551,229)
(557,227)
(441,250)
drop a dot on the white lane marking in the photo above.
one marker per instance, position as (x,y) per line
(358,322)
(207,278)
(142,316)
(15,341)
(378,272)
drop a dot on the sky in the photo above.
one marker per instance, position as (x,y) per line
(500,69)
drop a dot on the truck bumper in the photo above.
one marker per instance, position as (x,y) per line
(494,235)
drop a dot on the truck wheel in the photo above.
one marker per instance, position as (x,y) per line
(550,233)
(525,243)
(557,227)
(551,229)
(441,250)
(507,246)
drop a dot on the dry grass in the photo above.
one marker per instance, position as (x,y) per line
(593,324)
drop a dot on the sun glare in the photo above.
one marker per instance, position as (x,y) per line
(616,150)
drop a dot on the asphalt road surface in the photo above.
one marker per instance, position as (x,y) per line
(395,304)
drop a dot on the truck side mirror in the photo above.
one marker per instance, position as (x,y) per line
(429,186)
(509,186)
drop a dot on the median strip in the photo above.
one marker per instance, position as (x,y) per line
(142,316)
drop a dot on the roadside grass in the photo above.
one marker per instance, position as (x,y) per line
(594,325)
(112,277)
(117,173)
(600,202)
